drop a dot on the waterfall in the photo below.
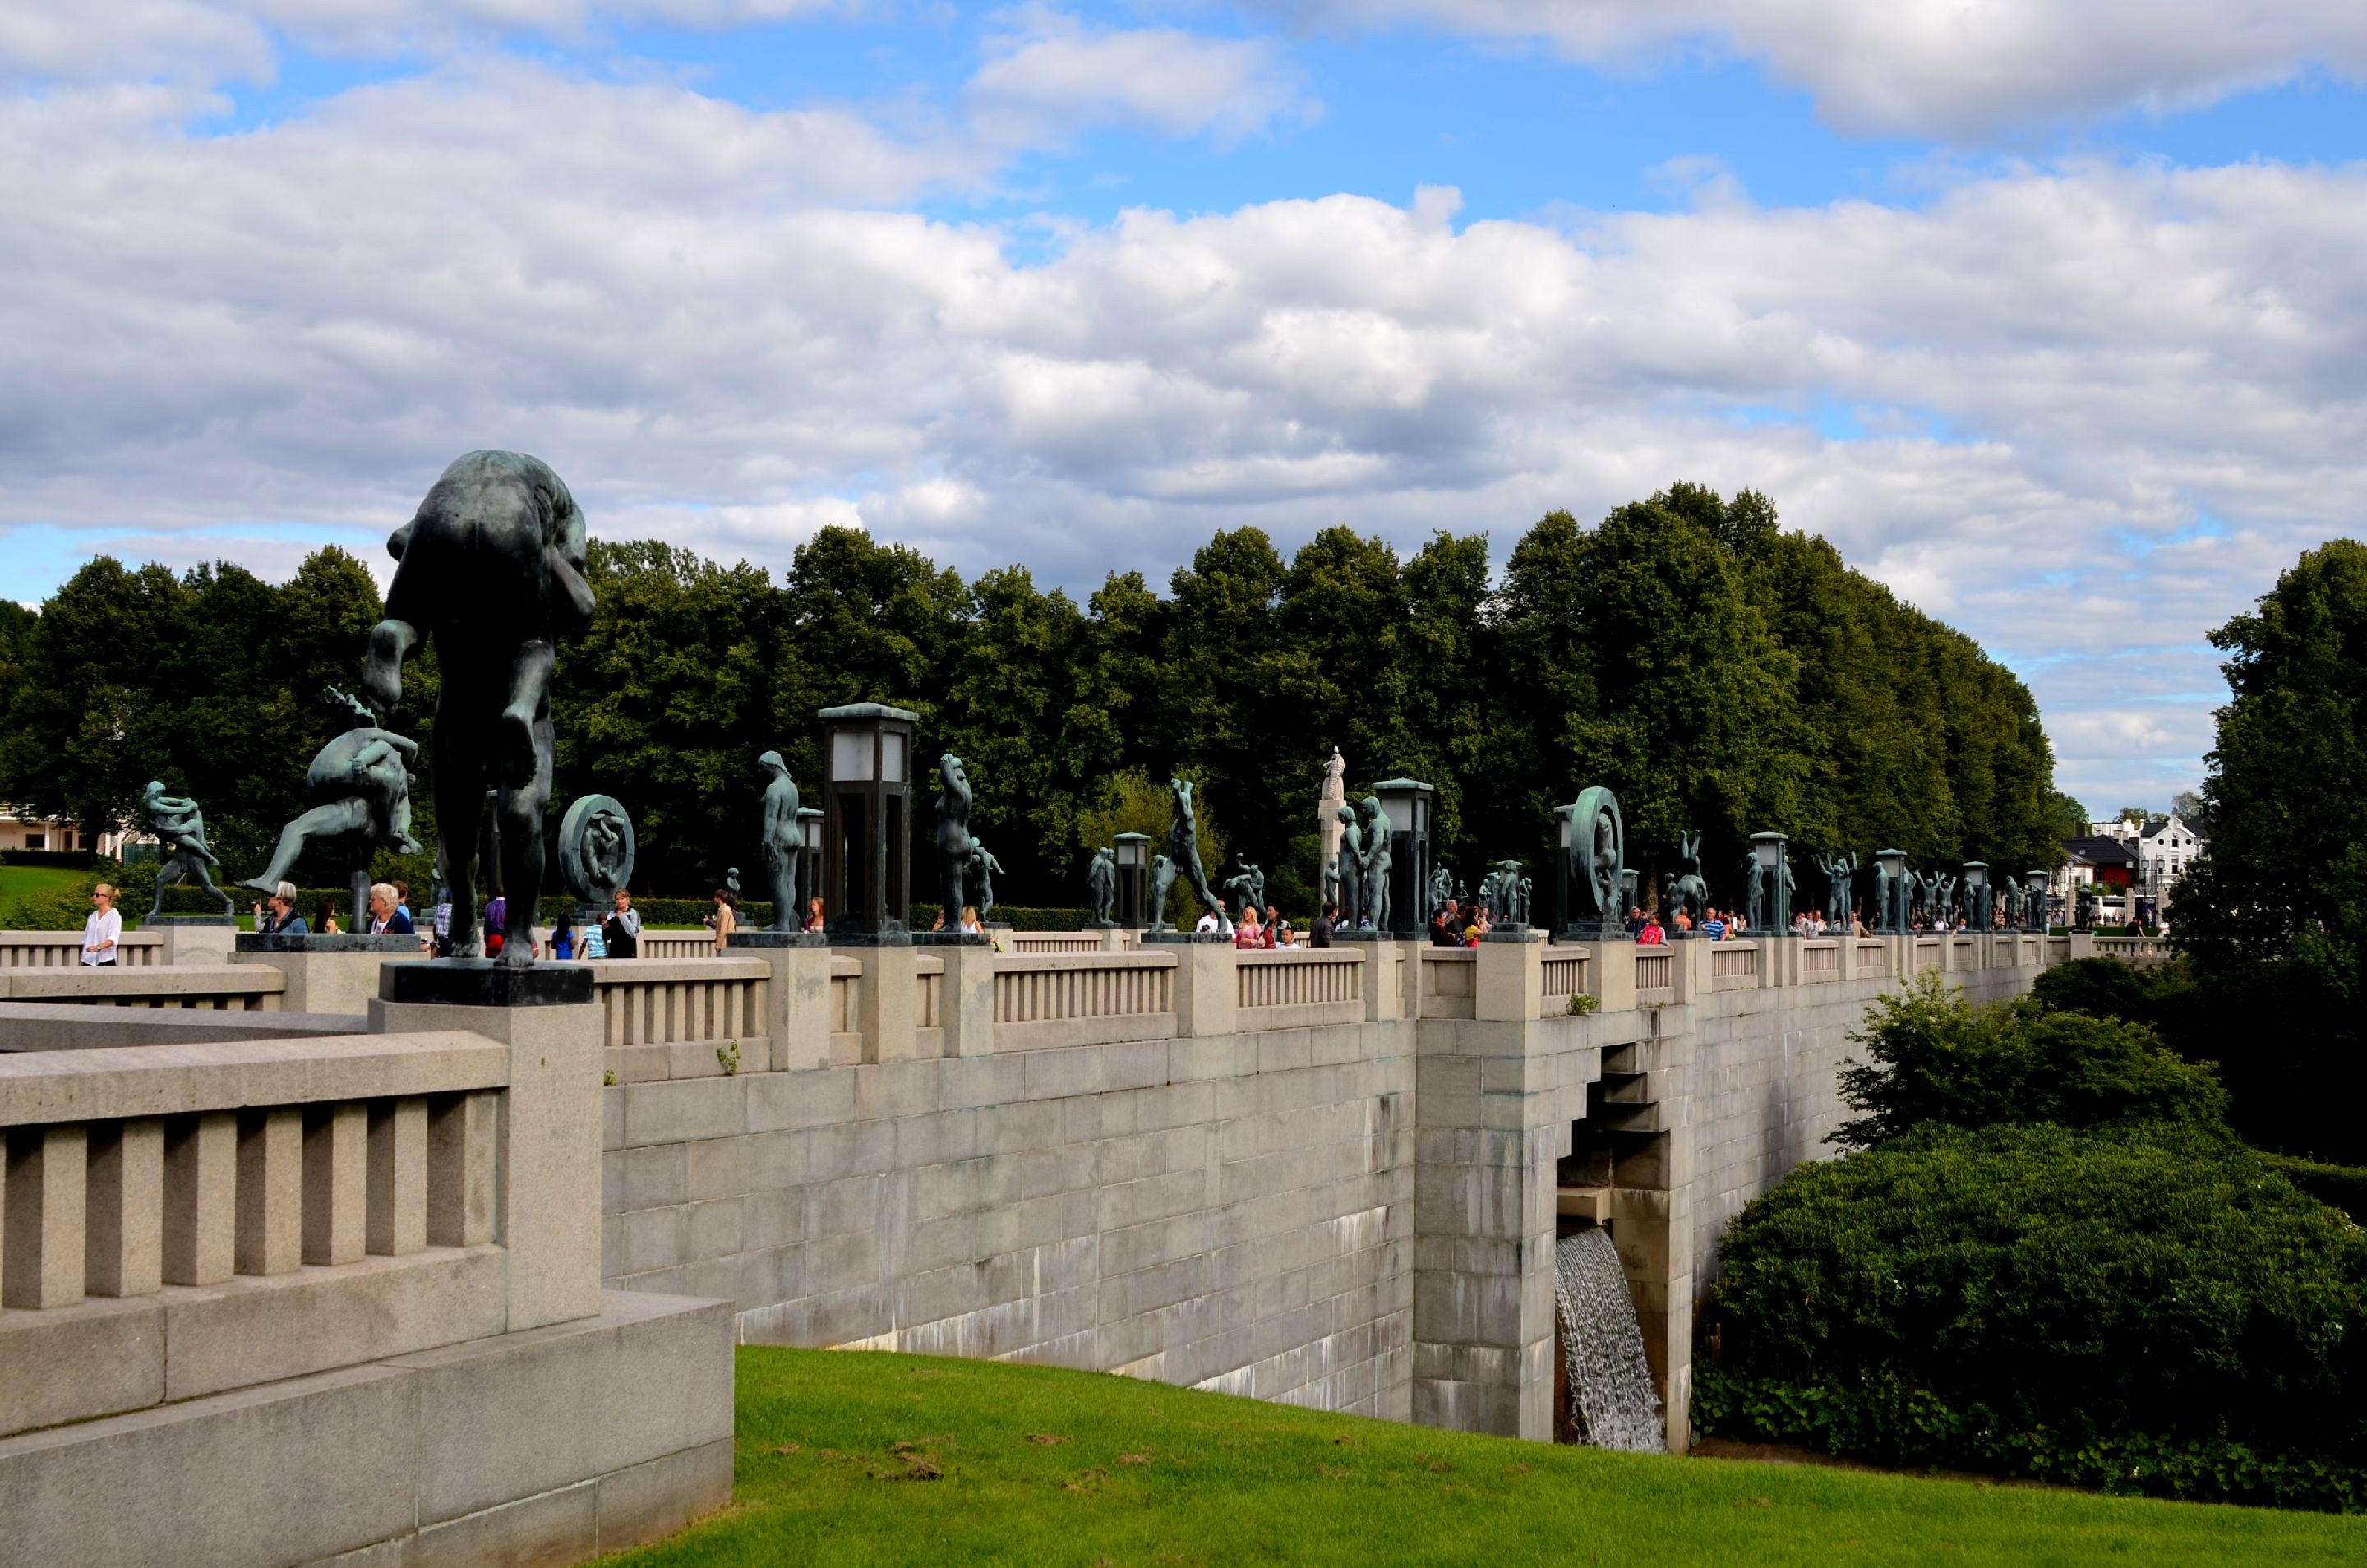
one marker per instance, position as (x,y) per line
(1610,1385)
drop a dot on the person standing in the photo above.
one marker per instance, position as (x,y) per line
(621,932)
(1652,935)
(725,920)
(497,925)
(102,929)
(1320,933)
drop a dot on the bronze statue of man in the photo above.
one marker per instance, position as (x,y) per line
(1377,860)
(1351,867)
(1184,844)
(953,843)
(491,569)
(360,787)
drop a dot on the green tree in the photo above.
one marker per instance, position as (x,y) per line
(1938,1061)
(2274,915)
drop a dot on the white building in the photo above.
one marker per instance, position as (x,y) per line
(2166,850)
(21,831)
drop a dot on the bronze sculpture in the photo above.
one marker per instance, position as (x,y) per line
(491,569)
(779,841)
(1377,860)
(360,787)
(1184,844)
(954,841)
(1688,894)
(1100,887)
(180,827)
(1351,868)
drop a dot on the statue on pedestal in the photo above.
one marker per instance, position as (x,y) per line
(360,787)
(1162,877)
(1838,870)
(1184,844)
(780,840)
(595,850)
(1326,811)
(1351,867)
(1100,887)
(491,569)
(953,837)
(180,827)
(982,862)
(1377,862)
(1250,882)
(1689,893)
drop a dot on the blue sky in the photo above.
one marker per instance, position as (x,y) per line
(2042,314)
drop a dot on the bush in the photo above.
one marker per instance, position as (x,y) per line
(2344,1186)
(2108,987)
(2146,1308)
(1940,1060)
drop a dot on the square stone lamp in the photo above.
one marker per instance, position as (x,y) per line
(1768,849)
(866,782)
(1976,895)
(1407,803)
(1134,880)
(1890,919)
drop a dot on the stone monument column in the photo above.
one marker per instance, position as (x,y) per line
(1326,811)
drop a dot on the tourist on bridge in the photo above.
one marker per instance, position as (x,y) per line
(102,928)
(1650,935)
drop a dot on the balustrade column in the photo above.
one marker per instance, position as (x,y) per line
(124,1253)
(270,1190)
(200,1198)
(336,1172)
(41,1215)
(398,1177)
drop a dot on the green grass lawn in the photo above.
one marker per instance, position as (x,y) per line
(17,881)
(848,1456)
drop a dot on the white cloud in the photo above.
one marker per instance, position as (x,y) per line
(1952,69)
(1051,75)
(2107,402)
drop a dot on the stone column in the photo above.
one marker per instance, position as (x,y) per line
(1652,1214)
(965,1001)
(547,1194)
(1207,986)
(797,1004)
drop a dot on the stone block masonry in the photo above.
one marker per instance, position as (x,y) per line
(1231,1213)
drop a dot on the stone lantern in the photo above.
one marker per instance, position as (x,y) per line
(1770,909)
(2035,885)
(867,835)
(809,858)
(1407,805)
(1976,895)
(1134,880)
(1890,893)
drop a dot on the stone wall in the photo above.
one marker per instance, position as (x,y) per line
(1231,1212)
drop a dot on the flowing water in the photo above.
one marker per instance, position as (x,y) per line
(1610,1385)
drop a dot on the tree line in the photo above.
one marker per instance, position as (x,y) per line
(1720,673)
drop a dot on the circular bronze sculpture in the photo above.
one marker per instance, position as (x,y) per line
(595,849)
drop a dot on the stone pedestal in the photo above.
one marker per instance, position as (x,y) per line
(193,939)
(485,983)
(328,973)
(797,996)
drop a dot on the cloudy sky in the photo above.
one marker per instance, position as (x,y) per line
(2048,313)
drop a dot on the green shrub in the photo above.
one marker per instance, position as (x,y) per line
(2150,1308)
(2110,988)
(1939,1060)
(2344,1186)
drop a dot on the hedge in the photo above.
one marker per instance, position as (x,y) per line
(2151,1308)
(69,859)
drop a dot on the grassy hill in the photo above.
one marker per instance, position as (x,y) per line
(865,1458)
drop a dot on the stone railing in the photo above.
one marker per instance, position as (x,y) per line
(59,950)
(2142,951)
(1293,986)
(1450,983)
(683,1017)
(1656,976)
(1734,966)
(1061,998)
(1870,957)
(1565,977)
(1820,961)
(183,1220)
(1068,942)
(227,987)
(1928,955)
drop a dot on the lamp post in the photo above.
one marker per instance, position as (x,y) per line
(867,749)
(1890,893)
(808,877)
(1407,804)
(1627,892)
(1134,880)
(2035,887)
(1771,913)
(1976,895)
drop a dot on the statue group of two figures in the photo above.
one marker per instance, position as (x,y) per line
(1357,877)
(960,856)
